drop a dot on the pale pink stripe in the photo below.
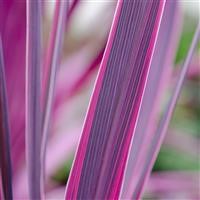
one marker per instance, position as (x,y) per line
(153,119)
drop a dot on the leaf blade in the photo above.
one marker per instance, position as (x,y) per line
(5,154)
(165,120)
(116,100)
(159,73)
(33,101)
(51,66)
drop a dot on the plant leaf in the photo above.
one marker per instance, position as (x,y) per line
(159,74)
(33,98)
(51,66)
(13,33)
(5,157)
(101,157)
(165,120)
(72,7)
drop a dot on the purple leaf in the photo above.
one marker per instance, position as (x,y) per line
(159,73)
(51,66)
(101,157)
(165,120)
(13,30)
(72,7)
(33,98)
(5,157)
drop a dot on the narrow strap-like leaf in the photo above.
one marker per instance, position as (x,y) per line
(110,123)
(13,33)
(33,98)
(5,157)
(164,123)
(72,7)
(52,62)
(160,71)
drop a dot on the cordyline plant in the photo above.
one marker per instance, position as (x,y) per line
(120,139)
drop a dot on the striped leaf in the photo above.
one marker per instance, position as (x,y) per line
(159,74)
(111,119)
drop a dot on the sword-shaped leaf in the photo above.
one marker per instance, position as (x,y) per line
(112,116)
(33,98)
(5,157)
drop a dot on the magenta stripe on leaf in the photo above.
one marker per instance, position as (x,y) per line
(101,157)
(160,69)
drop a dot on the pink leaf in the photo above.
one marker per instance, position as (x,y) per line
(5,157)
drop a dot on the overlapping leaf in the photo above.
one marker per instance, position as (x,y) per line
(160,72)
(101,157)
